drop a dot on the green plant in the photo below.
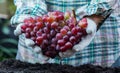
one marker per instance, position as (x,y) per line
(6,52)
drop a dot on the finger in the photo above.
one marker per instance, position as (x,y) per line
(42,58)
(37,49)
(68,53)
(29,42)
(17,31)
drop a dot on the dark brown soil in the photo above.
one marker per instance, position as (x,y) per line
(14,66)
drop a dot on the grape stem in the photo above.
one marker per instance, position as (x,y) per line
(74,15)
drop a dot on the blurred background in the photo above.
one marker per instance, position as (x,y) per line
(8,42)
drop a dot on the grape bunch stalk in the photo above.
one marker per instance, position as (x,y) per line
(56,31)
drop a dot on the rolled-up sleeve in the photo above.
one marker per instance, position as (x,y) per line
(28,8)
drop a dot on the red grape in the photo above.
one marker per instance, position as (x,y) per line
(68,45)
(45,42)
(57,48)
(72,39)
(59,36)
(29,20)
(54,25)
(74,31)
(23,28)
(71,25)
(63,49)
(53,46)
(28,30)
(44,18)
(46,30)
(61,42)
(54,40)
(27,35)
(39,33)
(63,31)
(52,33)
(39,24)
(66,38)
(44,35)
(39,40)
(50,19)
(32,33)
(67,28)
(69,33)
(35,29)
(38,19)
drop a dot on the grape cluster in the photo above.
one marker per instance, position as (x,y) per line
(54,32)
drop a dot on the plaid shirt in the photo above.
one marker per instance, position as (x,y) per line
(103,50)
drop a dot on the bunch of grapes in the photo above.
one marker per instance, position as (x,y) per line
(54,32)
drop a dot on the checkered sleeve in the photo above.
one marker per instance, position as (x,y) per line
(28,8)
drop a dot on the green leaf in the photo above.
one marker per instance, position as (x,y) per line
(9,40)
(6,51)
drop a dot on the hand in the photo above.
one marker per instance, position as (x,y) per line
(31,43)
(17,31)
(94,22)
(91,30)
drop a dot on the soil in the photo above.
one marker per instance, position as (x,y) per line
(15,66)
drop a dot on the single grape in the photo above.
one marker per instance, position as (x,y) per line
(23,28)
(27,35)
(60,17)
(52,33)
(59,36)
(72,39)
(29,20)
(69,33)
(67,28)
(38,19)
(39,40)
(32,33)
(61,42)
(54,25)
(50,19)
(38,33)
(51,54)
(79,35)
(66,38)
(57,48)
(63,31)
(44,35)
(44,18)
(45,42)
(71,25)
(28,30)
(54,41)
(46,30)
(63,49)
(35,29)
(39,24)
(74,31)
(31,25)
(52,47)
(68,45)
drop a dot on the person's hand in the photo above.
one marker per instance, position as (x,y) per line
(17,31)
(91,31)
(94,22)
(30,43)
